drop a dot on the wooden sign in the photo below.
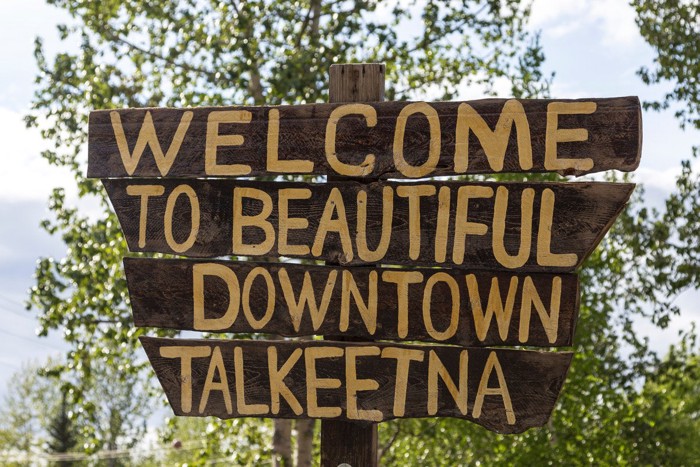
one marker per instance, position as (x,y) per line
(498,256)
(503,390)
(480,308)
(375,140)
(516,226)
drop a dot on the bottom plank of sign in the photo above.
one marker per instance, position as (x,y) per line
(504,390)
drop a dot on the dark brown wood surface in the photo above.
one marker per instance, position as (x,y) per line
(610,137)
(579,214)
(162,296)
(356,82)
(507,391)
(345,442)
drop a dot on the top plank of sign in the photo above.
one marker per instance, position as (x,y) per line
(363,140)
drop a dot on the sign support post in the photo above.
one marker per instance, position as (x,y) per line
(352,443)
(486,265)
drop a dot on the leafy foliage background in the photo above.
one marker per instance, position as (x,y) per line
(621,403)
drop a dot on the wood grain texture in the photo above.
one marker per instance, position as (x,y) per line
(161,293)
(532,380)
(349,442)
(610,137)
(356,82)
(581,213)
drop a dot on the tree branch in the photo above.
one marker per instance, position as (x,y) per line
(390,443)
(304,25)
(111,34)
(452,30)
(234,4)
(106,321)
(316,21)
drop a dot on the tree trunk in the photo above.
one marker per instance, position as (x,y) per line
(282,436)
(305,441)
(305,435)
(282,443)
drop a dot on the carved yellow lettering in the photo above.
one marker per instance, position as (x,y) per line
(185,353)
(368,309)
(427,303)
(277,385)
(442,227)
(463,226)
(243,407)
(216,365)
(402,279)
(274,164)
(353,384)
(555,135)
(287,223)
(225,321)
(307,297)
(328,224)
(550,321)
(482,320)
(492,364)
(367,166)
(435,369)
(215,140)
(494,142)
(414,194)
(429,165)
(241,220)
(363,250)
(255,323)
(403,358)
(144,191)
(313,382)
(147,137)
(499,228)
(545,257)
(194,216)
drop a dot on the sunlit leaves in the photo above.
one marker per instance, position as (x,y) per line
(200,52)
(671,27)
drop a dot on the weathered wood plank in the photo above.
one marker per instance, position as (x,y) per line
(344,442)
(405,140)
(472,309)
(356,82)
(507,391)
(518,226)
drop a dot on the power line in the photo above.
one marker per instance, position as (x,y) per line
(18,313)
(24,337)
(33,341)
(100,455)
(10,365)
(11,300)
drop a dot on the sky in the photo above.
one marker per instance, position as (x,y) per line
(592,45)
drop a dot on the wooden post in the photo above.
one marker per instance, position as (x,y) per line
(352,443)
(357,82)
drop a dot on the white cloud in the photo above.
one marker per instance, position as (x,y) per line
(468,91)
(561,18)
(618,25)
(662,180)
(25,175)
(545,12)
(661,339)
